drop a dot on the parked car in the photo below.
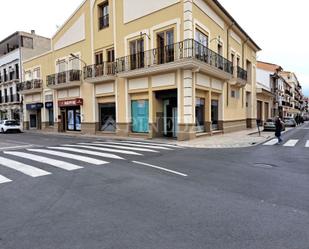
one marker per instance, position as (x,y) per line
(270,125)
(10,125)
(290,122)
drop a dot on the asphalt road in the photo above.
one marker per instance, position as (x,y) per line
(166,197)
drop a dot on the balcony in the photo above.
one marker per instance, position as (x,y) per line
(65,79)
(31,86)
(100,73)
(9,78)
(10,99)
(240,77)
(188,54)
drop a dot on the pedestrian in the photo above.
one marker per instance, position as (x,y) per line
(279,128)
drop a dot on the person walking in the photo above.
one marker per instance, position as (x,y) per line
(279,128)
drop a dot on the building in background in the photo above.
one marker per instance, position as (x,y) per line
(173,68)
(13,50)
(294,93)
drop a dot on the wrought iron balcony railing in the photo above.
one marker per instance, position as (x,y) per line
(242,74)
(15,98)
(105,69)
(187,49)
(64,77)
(31,84)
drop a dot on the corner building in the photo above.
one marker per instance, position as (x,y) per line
(172,68)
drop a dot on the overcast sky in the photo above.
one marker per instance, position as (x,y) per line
(280,27)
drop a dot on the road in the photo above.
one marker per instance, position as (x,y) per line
(79,193)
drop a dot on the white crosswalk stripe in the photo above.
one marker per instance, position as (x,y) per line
(271,142)
(70,156)
(125,147)
(23,168)
(41,159)
(155,144)
(4,179)
(137,145)
(95,146)
(307,144)
(291,143)
(88,152)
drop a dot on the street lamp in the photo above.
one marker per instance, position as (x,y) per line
(76,57)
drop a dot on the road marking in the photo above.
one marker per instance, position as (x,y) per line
(4,179)
(145,143)
(70,156)
(137,145)
(307,144)
(160,168)
(23,168)
(16,147)
(125,147)
(88,152)
(95,146)
(291,143)
(40,159)
(271,142)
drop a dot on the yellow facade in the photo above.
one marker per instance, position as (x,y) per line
(176,68)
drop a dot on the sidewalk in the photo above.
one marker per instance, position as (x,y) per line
(240,139)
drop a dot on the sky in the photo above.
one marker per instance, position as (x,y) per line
(279,27)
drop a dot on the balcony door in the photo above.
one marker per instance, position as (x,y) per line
(201,46)
(137,54)
(165,45)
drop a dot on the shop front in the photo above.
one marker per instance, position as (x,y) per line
(70,115)
(49,106)
(34,111)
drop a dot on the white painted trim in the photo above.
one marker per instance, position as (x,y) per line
(153,29)
(204,7)
(197,24)
(135,35)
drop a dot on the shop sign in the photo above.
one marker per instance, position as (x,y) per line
(36,106)
(71,102)
(49,105)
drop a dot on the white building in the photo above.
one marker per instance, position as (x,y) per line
(13,50)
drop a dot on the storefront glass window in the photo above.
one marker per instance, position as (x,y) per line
(200,114)
(140,116)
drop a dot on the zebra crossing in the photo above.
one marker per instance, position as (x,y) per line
(289,143)
(96,153)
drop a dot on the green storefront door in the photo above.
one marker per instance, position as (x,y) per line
(140,116)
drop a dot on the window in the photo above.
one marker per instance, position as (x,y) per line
(200,114)
(74,63)
(17,71)
(99,58)
(220,58)
(61,66)
(110,55)
(140,116)
(36,73)
(235,94)
(103,15)
(27,42)
(165,45)
(137,54)
(201,38)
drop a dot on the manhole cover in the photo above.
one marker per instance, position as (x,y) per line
(265,165)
